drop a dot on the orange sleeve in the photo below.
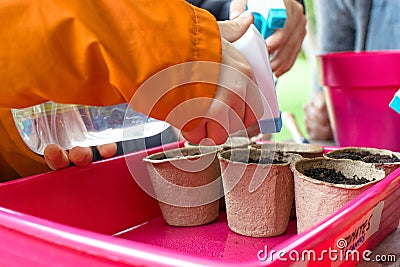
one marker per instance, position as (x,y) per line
(99,52)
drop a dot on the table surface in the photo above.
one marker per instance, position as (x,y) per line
(389,246)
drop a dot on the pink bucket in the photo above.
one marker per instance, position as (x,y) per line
(358,88)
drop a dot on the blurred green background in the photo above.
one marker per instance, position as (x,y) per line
(294,87)
(293,91)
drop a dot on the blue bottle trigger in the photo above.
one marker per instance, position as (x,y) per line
(395,103)
(260,24)
(268,15)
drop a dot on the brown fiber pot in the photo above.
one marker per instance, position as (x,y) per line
(231,142)
(258,196)
(305,150)
(387,167)
(187,184)
(316,200)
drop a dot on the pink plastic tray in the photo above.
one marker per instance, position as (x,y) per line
(99,216)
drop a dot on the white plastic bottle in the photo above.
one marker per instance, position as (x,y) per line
(74,125)
(252,46)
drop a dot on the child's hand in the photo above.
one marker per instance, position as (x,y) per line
(57,158)
(284,44)
(238,106)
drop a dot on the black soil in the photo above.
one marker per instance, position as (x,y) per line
(365,156)
(266,161)
(334,177)
(256,157)
(162,156)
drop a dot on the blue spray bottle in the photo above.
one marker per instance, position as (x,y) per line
(268,15)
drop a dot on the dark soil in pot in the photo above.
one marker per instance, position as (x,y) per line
(335,177)
(258,158)
(384,159)
(305,150)
(323,186)
(365,156)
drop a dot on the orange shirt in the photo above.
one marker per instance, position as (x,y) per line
(93,53)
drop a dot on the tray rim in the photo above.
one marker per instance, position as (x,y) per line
(132,252)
